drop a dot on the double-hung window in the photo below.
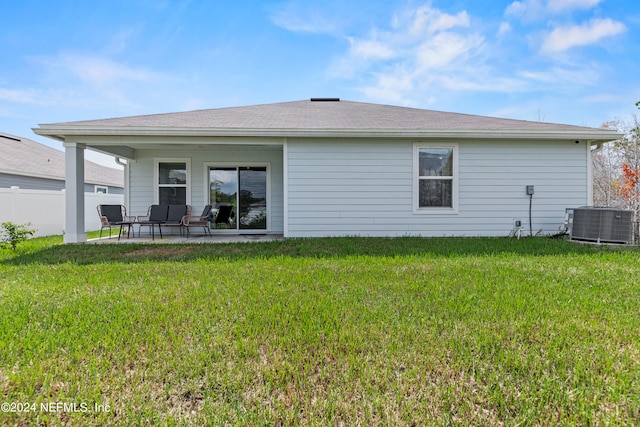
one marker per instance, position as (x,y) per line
(172,179)
(435,178)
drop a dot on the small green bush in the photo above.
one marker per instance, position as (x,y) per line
(12,234)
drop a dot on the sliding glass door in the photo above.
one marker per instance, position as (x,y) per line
(244,189)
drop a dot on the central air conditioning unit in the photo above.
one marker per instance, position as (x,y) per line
(606,225)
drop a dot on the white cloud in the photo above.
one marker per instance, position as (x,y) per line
(426,20)
(44,97)
(309,24)
(557,6)
(100,71)
(302,18)
(90,74)
(20,96)
(564,38)
(120,41)
(426,55)
(420,45)
(86,82)
(484,82)
(505,28)
(444,49)
(531,10)
(585,75)
(391,87)
(526,9)
(370,49)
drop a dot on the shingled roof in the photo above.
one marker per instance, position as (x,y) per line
(324,117)
(22,156)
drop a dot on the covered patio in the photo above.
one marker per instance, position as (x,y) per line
(169,238)
(248,177)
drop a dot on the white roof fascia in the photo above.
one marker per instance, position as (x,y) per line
(592,135)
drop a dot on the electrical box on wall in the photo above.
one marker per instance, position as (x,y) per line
(530,190)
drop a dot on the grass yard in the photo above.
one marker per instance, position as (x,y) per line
(343,331)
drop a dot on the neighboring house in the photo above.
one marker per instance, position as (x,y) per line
(326,167)
(30,165)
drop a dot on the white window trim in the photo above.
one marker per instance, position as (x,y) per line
(156,185)
(99,187)
(416,179)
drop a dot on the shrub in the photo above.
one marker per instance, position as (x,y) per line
(12,234)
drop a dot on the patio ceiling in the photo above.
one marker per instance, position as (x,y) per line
(115,146)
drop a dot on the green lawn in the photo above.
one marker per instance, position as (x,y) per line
(344,331)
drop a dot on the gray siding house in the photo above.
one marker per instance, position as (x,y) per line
(326,167)
(33,166)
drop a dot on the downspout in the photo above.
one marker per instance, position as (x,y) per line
(592,149)
(599,145)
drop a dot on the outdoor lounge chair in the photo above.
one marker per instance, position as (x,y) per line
(175,216)
(157,216)
(199,221)
(224,215)
(114,216)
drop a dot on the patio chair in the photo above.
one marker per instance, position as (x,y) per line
(114,216)
(199,221)
(175,216)
(224,215)
(157,215)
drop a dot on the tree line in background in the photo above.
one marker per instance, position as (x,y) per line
(616,170)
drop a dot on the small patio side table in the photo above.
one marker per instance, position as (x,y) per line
(129,225)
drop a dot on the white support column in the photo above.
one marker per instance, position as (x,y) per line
(74,193)
(285,186)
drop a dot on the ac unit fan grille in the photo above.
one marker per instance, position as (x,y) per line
(605,225)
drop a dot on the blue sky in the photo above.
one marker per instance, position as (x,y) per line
(563,61)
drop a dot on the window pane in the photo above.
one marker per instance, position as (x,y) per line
(172,173)
(436,162)
(253,198)
(436,193)
(223,190)
(173,195)
(223,186)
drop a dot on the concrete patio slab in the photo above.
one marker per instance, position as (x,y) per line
(175,238)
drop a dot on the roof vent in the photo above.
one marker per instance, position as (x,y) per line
(325,99)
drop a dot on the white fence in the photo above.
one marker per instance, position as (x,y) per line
(44,209)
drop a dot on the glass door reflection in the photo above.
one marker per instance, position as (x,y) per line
(245,190)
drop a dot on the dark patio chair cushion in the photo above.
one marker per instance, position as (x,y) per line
(158,214)
(175,214)
(113,213)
